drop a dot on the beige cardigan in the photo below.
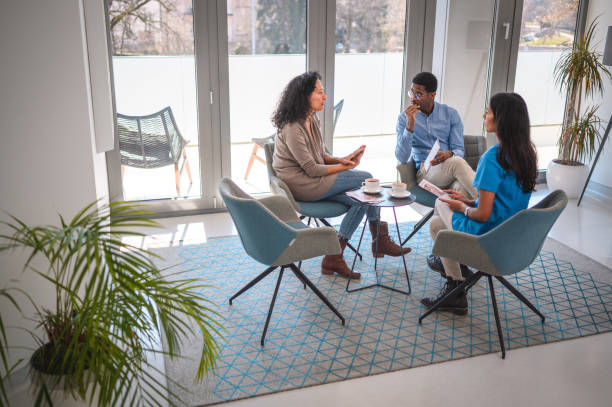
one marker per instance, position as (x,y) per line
(299,160)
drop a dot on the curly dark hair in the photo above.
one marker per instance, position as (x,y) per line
(516,150)
(293,104)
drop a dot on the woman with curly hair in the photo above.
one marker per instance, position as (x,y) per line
(301,162)
(505,177)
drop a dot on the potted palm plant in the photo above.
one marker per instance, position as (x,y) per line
(112,307)
(581,74)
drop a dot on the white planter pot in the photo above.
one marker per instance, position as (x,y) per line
(569,178)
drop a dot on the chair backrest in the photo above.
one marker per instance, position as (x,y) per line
(149,141)
(474,147)
(263,235)
(337,111)
(278,186)
(514,244)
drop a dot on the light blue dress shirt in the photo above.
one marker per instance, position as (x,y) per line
(509,196)
(443,124)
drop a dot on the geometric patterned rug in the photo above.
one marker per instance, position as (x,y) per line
(307,345)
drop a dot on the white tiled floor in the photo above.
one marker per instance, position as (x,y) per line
(568,373)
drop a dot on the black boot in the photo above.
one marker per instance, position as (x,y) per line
(435,263)
(457,303)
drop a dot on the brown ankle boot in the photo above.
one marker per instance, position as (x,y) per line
(385,244)
(334,263)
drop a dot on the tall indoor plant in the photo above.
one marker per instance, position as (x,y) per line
(581,74)
(112,306)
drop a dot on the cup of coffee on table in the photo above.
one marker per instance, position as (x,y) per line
(370,185)
(398,188)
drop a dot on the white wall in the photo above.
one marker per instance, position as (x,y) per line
(603,169)
(47,160)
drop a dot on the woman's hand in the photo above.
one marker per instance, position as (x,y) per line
(454,204)
(355,156)
(458,196)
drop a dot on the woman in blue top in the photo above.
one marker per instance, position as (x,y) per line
(505,178)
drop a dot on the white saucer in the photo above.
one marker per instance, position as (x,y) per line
(378,190)
(404,194)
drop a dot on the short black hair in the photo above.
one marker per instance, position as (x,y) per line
(427,80)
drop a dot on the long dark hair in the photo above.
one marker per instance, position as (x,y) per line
(294,104)
(516,150)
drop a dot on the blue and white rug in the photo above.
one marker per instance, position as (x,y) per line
(307,345)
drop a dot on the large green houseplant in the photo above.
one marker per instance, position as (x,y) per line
(579,73)
(112,306)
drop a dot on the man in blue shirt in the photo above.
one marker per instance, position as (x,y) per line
(420,125)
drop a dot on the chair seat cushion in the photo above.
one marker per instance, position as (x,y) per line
(322,209)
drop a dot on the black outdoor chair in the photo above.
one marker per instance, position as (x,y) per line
(152,141)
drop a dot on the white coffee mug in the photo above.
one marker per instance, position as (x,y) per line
(398,188)
(370,185)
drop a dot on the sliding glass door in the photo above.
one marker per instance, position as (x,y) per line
(155,97)
(461,57)
(548,28)
(266,45)
(368,81)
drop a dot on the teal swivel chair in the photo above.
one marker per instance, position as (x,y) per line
(272,234)
(474,147)
(317,210)
(504,250)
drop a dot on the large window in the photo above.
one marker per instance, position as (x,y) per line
(462,45)
(154,68)
(220,66)
(547,30)
(266,47)
(368,79)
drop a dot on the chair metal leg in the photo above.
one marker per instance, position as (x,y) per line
(419,225)
(253,282)
(499,330)
(280,277)
(348,244)
(299,276)
(314,288)
(399,239)
(520,296)
(468,282)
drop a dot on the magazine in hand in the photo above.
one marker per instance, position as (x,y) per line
(428,186)
(363,197)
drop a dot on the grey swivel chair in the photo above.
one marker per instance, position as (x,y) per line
(502,251)
(474,147)
(272,234)
(152,141)
(317,210)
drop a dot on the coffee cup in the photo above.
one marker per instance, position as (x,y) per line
(398,188)
(370,185)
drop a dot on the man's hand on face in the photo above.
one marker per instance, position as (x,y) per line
(410,112)
(442,156)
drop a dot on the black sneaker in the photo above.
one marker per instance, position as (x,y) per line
(457,303)
(435,263)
